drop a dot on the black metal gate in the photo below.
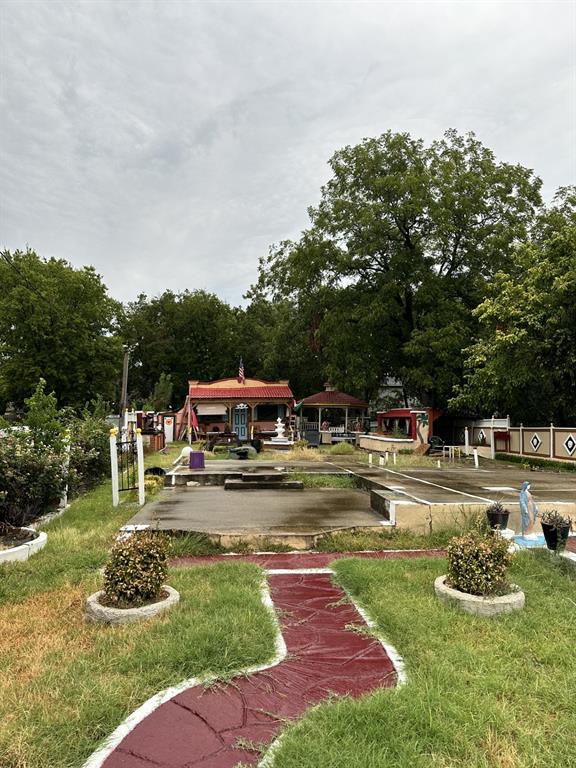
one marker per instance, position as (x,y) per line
(127,464)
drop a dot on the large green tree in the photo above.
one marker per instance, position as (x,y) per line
(185,335)
(524,361)
(398,254)
(56,323)
(278,341)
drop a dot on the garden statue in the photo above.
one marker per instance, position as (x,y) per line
(528,511)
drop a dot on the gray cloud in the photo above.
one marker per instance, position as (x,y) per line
(170,143)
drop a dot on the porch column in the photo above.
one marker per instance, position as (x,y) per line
(346,420)
(319,418)
(251,425)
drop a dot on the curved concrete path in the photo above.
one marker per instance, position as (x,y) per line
(226,724)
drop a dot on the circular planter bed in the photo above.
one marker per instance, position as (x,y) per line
(106,614)
(21,547)
(480,606)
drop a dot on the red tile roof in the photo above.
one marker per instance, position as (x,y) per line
(241,392)
(334,398)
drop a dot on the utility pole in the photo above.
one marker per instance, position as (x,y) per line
(124,395)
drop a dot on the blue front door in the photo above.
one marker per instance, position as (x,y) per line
(240,423)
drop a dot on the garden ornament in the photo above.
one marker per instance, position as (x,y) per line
(528,511)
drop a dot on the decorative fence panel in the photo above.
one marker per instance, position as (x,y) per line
(544,442)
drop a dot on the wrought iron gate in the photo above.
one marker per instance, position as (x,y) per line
(126,452)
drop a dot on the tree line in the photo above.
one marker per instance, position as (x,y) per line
(435,264)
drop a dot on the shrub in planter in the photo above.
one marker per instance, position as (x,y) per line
(497,515)
(136,570)
(556,528)
(477,564)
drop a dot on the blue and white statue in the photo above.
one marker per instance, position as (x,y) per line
(528,511)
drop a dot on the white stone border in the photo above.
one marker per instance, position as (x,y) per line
(24,551)
(478,605)
(95,611)
(96,760)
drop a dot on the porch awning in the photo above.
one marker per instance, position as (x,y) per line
(211,409)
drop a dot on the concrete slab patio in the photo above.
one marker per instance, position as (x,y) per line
(293,518)
(424,498)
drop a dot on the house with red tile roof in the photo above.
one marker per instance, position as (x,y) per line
(241,405)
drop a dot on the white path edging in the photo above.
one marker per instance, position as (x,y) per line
(96,760)
(24,551)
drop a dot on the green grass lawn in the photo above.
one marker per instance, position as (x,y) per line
(481,693)
(66,684)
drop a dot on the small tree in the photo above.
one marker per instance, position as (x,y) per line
(162,395)
(44,419)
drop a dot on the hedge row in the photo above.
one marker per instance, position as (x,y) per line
(534,463)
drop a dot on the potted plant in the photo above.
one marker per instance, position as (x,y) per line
(477,580)
(134,576)
(556,528)
(497,516)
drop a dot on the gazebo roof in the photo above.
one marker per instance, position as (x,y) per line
(232,389)
(331,398)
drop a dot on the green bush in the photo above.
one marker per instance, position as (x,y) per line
(342,449)
(136,570)
(301,444)
(477,564)
(89,450)
(32,478)
(531,463)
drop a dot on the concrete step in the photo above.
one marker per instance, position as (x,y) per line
(248,477)
(263,485)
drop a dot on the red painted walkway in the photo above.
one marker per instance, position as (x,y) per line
(214,727)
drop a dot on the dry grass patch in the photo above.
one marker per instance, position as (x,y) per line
(66,684)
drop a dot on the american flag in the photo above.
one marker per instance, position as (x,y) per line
(241,377)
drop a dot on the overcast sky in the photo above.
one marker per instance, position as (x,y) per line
(170,143)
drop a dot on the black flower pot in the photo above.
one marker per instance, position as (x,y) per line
(556,538)
(498,519)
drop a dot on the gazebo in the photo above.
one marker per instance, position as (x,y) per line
(338,409)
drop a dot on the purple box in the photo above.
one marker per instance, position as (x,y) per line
(196,460)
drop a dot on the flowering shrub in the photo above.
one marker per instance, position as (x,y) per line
(477,564)
(32,477)
(136,570)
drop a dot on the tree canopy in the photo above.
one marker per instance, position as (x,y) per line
(524,360)
(57,323)
(398,254)
(433,264)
